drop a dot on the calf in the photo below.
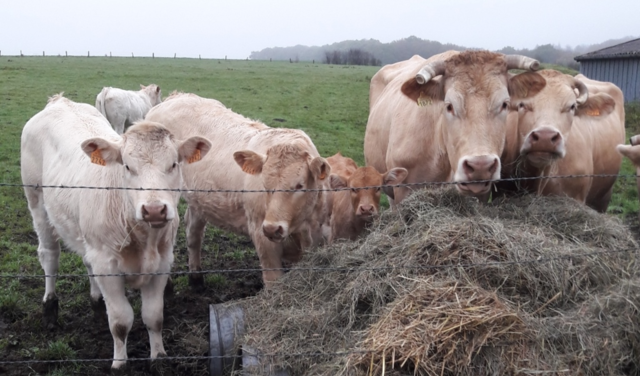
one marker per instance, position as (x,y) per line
(114,231)
(352,210)
(248,155)
(633,153)
(123,107)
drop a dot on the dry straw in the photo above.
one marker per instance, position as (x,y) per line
(559,316)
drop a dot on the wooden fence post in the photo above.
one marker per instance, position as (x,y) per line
(132,54)
(65,54)
(174,55)
(199,57)
(42,53)
(88,54)
(109,53)
(153,55)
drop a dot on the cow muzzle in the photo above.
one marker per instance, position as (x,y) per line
(366,211)
(155,214)
(543,146)
(475,173)
(275,231)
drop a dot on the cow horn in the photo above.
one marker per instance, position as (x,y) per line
(583,92)
(521,62)
(429,71)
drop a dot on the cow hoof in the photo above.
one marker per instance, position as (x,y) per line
(196,282)
(120,371)
(50,313)
(99,309)
(160,367)
(168,288)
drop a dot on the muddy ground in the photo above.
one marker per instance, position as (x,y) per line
(186,319)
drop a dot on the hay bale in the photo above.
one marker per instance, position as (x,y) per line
(447,286)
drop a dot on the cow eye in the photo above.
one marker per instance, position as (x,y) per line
(505,105)
(353,190)
(127,167)
(521,106)
(299,186)
(450,108)
(377,189)
(173,166)
(573,107)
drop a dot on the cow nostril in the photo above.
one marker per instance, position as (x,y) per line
(163,212)
(279,230)
(494,166)
(535,137)
(467,167)
(555,138)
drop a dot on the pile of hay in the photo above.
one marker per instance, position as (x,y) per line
(448,286)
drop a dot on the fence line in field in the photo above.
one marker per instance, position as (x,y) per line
(344,269)
(421,184)
(133,55)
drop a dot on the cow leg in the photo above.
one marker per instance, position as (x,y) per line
(97,302)
(48,254)
(152,306)
(119,312)
(195,226)
(270,255)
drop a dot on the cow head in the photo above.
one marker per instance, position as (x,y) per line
(148,157)
(366,202)
(286,167)
(471,97)
(154,93)
(545,120)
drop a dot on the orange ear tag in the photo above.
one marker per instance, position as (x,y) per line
(195,157)
(593,112)
(423,100)
(96,157)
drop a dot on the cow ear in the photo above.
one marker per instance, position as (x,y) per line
(102,151)
(424,94)
(395,176)
(599,104)
(631,152)
(337,181)
(142,87)
(250,162)
(525,85)
(193,149)
(157,89)
(320,168)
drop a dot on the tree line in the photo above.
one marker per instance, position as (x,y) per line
(354,56)
(403,49)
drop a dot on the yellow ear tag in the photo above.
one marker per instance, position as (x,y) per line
(593,112)
(323,175)
(195,157)
(423,100)
(96,157)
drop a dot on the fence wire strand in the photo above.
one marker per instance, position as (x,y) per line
(421,184)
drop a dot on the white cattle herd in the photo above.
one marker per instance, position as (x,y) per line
(460,117)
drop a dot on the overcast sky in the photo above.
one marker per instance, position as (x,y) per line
(235,28)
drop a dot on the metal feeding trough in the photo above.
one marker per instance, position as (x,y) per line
(226,323)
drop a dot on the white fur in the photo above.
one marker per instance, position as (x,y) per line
(124,107)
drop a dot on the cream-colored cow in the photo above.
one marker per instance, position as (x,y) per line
(352,210)
(444,118)
(571,127)
(633,153)
(124,107)
(114,231)
(248,155)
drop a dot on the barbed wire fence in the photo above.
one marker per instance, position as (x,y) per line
(291,269)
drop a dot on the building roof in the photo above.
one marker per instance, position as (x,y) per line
(622,50)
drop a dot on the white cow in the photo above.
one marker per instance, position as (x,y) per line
(124,107)
(115,231)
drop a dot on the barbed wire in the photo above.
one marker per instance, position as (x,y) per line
(329,268)
(185,358)
(186,190)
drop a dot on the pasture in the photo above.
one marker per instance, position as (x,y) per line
(330,103)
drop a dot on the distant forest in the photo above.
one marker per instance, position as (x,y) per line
(387,53)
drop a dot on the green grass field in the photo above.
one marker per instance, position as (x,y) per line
(330,103)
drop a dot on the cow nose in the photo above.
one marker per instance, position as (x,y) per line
(154,213)
(545,139)
(273,231)
(481,167)
(366,210)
